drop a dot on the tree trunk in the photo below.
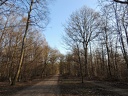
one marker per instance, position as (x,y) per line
(85,57)
(81,69)
(108,53)
(23,43)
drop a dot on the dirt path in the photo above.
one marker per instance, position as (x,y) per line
(67,87)
(47,87)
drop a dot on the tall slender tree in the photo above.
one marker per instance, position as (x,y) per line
(36,12)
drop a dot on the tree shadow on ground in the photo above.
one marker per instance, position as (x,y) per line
(69,87)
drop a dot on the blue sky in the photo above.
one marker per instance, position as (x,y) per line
(60,11)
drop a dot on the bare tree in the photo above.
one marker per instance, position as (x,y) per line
(106,33)
(83,28)
(23,54)
(120,13)
(78,53)
(116,14)
(36,12)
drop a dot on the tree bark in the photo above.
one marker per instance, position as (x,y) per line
(23,43)
(85,57)
(108,53)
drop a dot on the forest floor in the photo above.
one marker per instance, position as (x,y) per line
(37,87)
(58,86)
(74,87)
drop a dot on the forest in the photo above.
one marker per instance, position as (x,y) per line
(97,42)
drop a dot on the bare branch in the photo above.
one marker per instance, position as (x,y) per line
(3,2)
(122,2)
